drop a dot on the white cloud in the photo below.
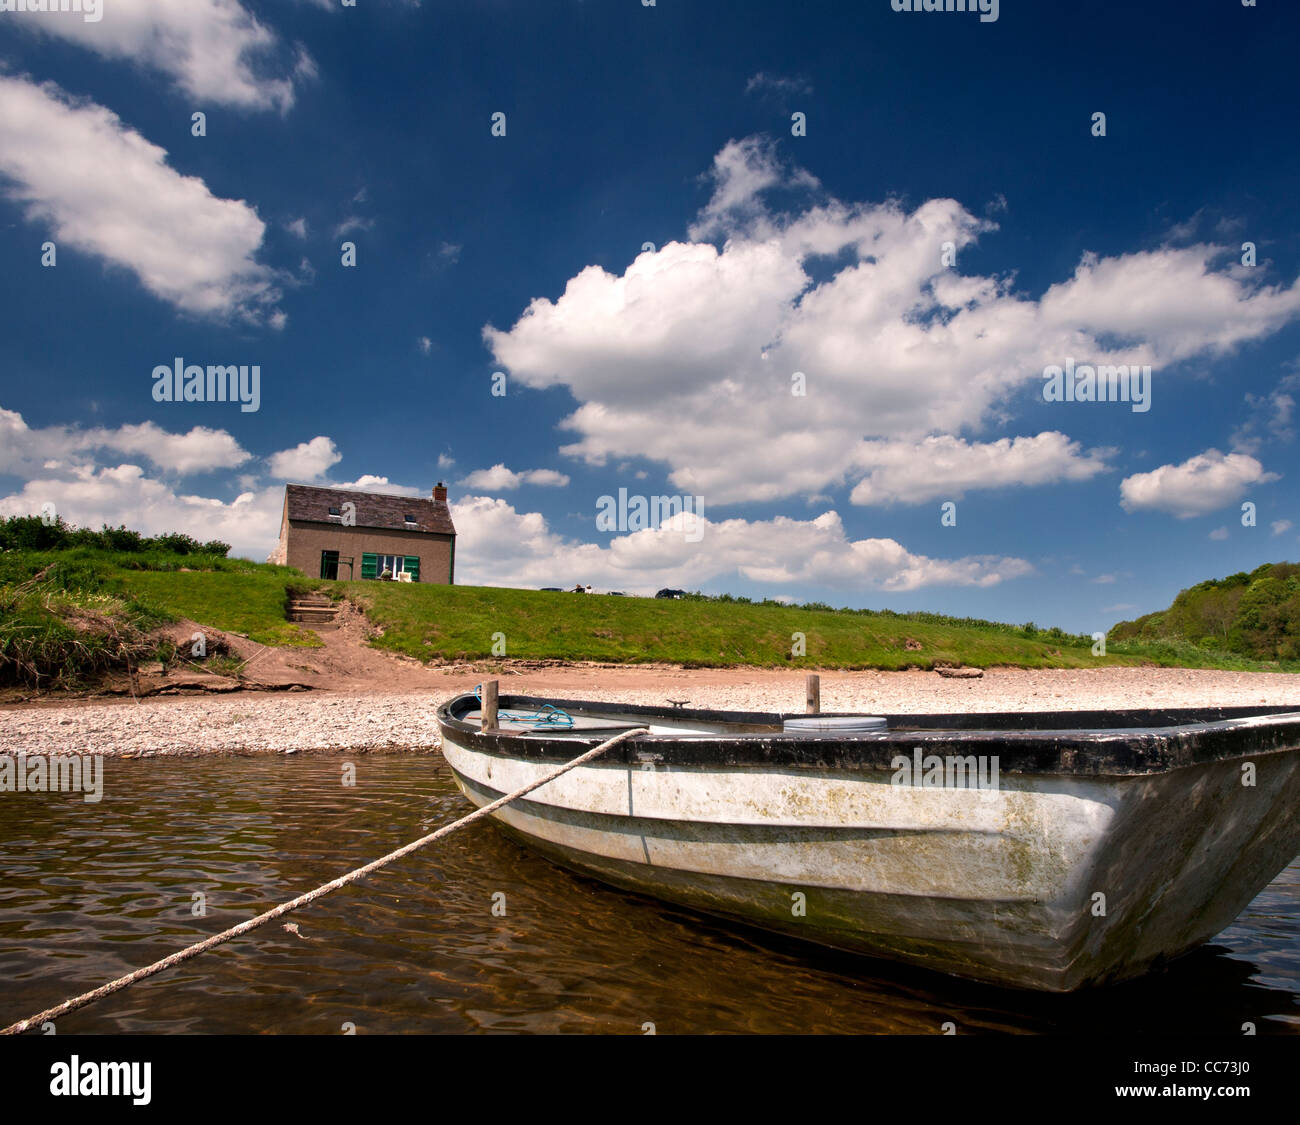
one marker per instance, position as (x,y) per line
(307,461)
(425,344)
(948,467)
(518,549)
(368,482)
(351,223)
(499,478)
(445,460)
(1281,527)
(124,495)
(1169,300)
(101,188)
(215,51)
(741,172)
(1219,533)
(1271,418)
(686,357)
(297,227)
(776,84)
(24,451)
(1200,485)
(200,450)
(503,545)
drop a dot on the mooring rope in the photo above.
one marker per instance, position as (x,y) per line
(302,900)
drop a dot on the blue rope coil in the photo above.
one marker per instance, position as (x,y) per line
(546,717)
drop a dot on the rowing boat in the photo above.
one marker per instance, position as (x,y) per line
(1051,851)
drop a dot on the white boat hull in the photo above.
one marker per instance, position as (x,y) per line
(1051,882)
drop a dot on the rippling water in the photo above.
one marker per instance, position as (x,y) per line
(91,891)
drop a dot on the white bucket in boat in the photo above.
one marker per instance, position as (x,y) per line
(836,724)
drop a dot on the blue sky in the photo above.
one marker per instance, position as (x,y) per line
(670,371)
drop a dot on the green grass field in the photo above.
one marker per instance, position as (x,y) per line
(459,622)
(52,622)
(68,615)
(249,602)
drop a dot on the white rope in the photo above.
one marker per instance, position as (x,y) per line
(302,900)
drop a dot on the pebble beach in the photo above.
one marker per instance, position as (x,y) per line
(283,722)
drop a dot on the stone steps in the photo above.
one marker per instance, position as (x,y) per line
(316,611)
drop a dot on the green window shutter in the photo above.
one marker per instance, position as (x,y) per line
(411,565)
(369,566)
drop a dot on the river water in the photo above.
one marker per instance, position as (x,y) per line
(90,891)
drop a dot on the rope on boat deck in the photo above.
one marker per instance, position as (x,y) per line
(302,900)
(548,716)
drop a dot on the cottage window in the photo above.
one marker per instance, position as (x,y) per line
(410,519)
(335,512)
(374,566)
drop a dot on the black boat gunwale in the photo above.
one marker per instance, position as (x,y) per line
(1073,743)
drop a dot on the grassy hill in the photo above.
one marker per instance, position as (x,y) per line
(1255,615)
(460,621)
(68,614)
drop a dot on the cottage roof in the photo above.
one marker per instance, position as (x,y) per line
(373,509)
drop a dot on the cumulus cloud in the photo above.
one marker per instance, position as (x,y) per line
(504,546)
(948,467)
(1200,485)
(687,357)
(515,548)
(742,171)
(499,478)
(368,482)
(25,451)
(1281,527)
(216,51)
(308,460)
(101,188)
(123,494)
(200,450)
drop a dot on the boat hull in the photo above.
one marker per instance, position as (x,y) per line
(1049,881)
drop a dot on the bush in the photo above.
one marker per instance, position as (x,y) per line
(32,533)
(176,543)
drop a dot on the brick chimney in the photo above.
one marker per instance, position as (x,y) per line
(440,492)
